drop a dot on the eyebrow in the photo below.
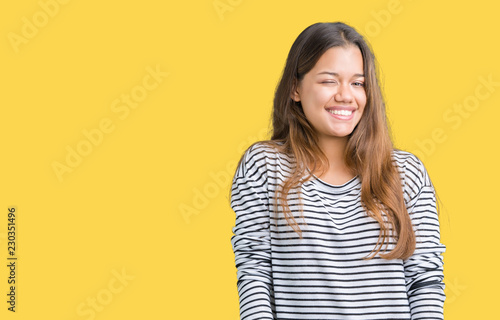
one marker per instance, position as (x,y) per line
(336,74)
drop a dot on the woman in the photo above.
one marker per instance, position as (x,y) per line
(333,222)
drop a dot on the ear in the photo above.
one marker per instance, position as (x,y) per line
(295,95)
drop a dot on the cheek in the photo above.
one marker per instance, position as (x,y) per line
(361,99)
(319,95)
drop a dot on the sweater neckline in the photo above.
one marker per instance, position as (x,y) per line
(332,188)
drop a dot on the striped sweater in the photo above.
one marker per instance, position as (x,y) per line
(323,275)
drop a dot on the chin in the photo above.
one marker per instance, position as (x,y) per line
(341,133)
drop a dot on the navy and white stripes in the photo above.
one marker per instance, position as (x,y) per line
(323,275)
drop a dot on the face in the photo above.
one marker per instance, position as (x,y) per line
(332,93)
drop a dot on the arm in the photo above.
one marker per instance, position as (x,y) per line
(424,269)
(251,239)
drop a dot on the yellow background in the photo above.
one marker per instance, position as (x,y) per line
(120,209)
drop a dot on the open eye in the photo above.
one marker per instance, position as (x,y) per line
(359,84)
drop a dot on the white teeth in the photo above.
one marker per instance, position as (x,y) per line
(341,112)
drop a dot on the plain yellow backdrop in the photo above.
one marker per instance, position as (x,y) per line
(121,123)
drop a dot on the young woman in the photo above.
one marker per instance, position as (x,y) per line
(333,222)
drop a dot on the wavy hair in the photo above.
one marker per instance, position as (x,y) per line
(369,148)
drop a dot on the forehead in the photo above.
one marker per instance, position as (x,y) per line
(340,60)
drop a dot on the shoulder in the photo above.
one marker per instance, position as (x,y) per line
(410,165)
(266,157)
(257,157)
(266,148)
(414,176)
(269,150)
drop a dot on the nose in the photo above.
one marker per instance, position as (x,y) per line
(343,93)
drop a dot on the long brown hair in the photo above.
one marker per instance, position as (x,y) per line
(369,149)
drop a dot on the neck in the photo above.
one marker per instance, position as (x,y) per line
(334,149)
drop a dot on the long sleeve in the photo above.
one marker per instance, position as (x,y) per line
(251,238)
(424,269)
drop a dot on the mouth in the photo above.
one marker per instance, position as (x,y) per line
(341,113)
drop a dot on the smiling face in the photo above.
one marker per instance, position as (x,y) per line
(332,93)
